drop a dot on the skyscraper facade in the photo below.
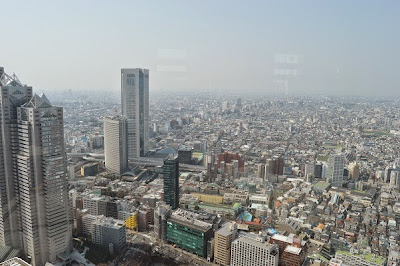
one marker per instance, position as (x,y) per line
(42,184)
(12,95)
(335,170)
(171,182)
(135,107)
(115,144)
(35,212)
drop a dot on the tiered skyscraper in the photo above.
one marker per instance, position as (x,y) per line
(34,211)
(135,107)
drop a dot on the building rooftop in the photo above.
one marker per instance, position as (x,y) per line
(190,219)
(293,250)
(227,229)
(14,262)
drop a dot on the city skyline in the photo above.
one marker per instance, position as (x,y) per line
(334,48)
(205,133)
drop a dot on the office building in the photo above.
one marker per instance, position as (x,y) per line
(251,249)
(106,231)
(34,214)
(171,181)
(222,243)
(335,170)
(187,232)
(185,154)
(135,107)
(161,215)
(12,95)
(115,144)
(46,220)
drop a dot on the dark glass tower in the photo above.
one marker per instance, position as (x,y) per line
(171,181)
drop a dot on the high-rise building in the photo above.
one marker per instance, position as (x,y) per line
(115,144)
(35,215)
(251,249)
(161,215)
(335,170)
(135,107)
(171,181)
(46,220)
(222,243)
(12,95)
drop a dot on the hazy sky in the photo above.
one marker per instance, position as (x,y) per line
(249,46)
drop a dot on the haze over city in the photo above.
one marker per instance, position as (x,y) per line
(262,47)
(201,133)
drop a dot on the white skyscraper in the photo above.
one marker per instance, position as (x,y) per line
(135,107)
(35,212)
(335,170)
(115,144)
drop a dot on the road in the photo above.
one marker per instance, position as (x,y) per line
(140,161)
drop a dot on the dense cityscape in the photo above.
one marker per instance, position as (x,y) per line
(135,178)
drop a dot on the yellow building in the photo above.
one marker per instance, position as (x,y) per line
(215,199)
(131,222)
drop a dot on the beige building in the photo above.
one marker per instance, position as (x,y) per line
(222,243)
(115,144)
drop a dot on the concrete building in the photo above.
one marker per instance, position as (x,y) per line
(354,171)
(335,170)
(12,95)
(15,262)
(46,218)
(222,243)
(135,107)
(115,144)
(251,249)
(185,154)
(161,215)
(107,231)
(171,181)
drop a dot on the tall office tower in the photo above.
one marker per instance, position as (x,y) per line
(135,107)
(12,95)
(335,170)
(171,181)
(115,144)
(45,213)
(223,240)
(251,249)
